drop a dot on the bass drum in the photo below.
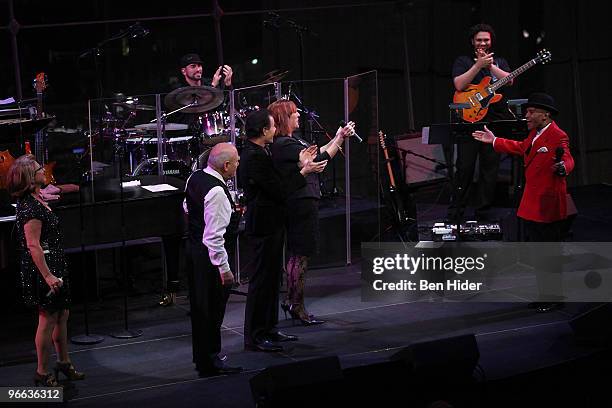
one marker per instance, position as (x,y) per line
(176,168)
(201,161)
(201,164)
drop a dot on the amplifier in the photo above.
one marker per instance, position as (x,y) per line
(470,231)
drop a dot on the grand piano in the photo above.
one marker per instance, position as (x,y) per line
(145,215)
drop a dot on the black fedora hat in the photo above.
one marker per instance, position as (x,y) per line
(190,59)
(543,101)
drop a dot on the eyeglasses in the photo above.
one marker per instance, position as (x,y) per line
(39,169)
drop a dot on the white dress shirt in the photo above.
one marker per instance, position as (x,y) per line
(538,133)
(217,214)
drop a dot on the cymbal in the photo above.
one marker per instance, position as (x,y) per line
(274,76)
(211,141)
(134,106)
(168,126)
(205,97)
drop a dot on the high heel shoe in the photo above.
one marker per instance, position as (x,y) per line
(46,380)
(168,299)
(69,371)
(286,307)
(298,312)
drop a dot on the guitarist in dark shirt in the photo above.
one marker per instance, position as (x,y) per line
(471,70)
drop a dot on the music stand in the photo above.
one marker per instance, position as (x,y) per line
(448,135)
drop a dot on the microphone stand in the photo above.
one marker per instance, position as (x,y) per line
(277,22)
(126,333)
(86,338)
(299,30)
(312,118)
(133,31)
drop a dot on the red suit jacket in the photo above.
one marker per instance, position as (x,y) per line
(544,198)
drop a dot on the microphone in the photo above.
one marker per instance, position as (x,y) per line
(558,156)
(51,292)
(343,124)
(138,31)
(273,21)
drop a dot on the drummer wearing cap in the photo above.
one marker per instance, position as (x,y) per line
(191,68)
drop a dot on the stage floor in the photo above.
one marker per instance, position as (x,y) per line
(156,369)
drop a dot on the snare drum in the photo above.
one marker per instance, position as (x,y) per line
(180,148)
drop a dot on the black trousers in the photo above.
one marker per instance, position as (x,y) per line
(172,247)
(208,298)
(467,153)
(261,313)
(544,231)
(547,260)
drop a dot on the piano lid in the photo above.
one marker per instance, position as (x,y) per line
(12,129)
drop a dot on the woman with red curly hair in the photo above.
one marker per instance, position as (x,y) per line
(302,224)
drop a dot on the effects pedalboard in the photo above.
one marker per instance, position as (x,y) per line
(470,231)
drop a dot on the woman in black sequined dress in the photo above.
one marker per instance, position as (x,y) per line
(44,273)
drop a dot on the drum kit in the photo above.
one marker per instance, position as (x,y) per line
(185,147)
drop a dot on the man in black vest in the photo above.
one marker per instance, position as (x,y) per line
(213,225)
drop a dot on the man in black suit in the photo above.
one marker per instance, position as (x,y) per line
(265,195)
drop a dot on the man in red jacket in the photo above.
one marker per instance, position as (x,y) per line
(547,160)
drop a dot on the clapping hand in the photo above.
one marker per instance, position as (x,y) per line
(307,155)
(484,60)
(227,71)
(307,163)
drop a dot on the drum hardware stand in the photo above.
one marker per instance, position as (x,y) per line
(164,117)
(118,132)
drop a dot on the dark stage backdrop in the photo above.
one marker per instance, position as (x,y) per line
(350,37)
